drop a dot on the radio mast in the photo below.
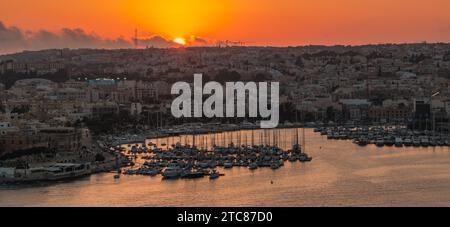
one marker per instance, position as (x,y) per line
(135,39)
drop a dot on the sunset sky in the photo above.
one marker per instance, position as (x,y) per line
(256,22)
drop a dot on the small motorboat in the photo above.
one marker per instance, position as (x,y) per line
(398,142)
(214,175)
(275,166)
(379,142)
(253,166)
(407,142)
(228,165)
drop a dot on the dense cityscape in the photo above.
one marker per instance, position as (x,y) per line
(365,84)
(63,107)
(224,111)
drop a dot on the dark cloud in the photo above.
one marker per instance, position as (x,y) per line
(161,42)
(10,38)
(13,39)
(200,41)
(156,41)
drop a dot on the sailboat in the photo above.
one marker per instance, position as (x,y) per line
(297,150)
(119,171)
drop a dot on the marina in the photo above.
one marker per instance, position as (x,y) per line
(386,136)
(341,173)
(200,156)
(250,104)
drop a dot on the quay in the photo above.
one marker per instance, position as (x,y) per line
(385,136)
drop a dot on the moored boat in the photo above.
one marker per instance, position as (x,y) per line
(407,142)
(424,142)
(416,142)
(379,142)
(253,166)
(398,142)
(172,171)
(362,141)
(55,172)
(214,175)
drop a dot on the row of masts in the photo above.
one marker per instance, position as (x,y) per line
(283,138)
(270,137)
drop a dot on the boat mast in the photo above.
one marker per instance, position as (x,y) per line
(304,140)
(253,139)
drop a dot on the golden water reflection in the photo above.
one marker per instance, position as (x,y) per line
(341,174)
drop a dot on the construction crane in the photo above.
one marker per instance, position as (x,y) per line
(228,43)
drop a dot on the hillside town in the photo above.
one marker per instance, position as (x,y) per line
(63,99)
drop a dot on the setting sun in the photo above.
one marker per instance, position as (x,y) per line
(254,22)
(180,41)
(178,18)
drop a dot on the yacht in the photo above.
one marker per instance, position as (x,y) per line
(424,142)
(343,136)
(172,171)
(192,174)
(362,141)
(398,142)
(447,143)
(275,166)
(336,135)
(253,166)
(416,142)
(288,124)
(330,136)
(153,172)
(407,142)
(228,165)
(379,142)
(55,172)
(204,165)
(212,164)
(149,169)
(214,175)
(64,171)
(292,158)
(388,141)
(247,125)
(433,143)
(304,158)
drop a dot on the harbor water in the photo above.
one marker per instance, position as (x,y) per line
(341,174)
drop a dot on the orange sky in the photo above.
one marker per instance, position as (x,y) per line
(257,22)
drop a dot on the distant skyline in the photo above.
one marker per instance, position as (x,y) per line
(26,24)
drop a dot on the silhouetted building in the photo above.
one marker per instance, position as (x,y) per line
(422,114)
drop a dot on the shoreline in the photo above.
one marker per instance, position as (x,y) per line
(140,138)
(106,144)
(104,167)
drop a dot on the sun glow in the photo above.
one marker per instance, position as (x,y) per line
(179,18)
(180,41)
